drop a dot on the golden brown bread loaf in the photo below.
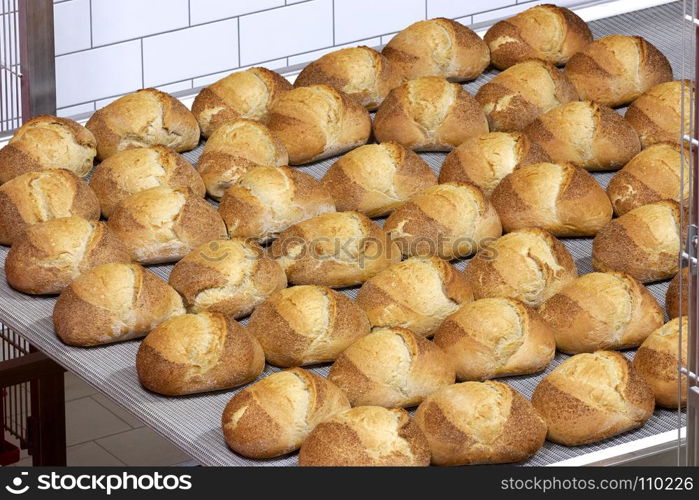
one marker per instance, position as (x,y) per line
(644,243)
(438,47)
(267,200)
(585,134)
(227,276)
(480,423)
(274,416)
(164,224)
(46,142)
(147,117)
(243,94)
(614,70)
(496,337)
(360,72)
(658,360)
(391,367)
(416,294)
(517,96)
(449,220)
(195,353)
(592,396)
(317,122)
(429,114)
(374,179)
(559,197)
(306,324)
(335,249)
(601,311)
(366,436)
(49,255)
(111,303)
(545,32)
(672,296)
(528,264)
(134,170)
(42,196)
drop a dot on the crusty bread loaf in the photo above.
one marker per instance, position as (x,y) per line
(47,142)
(49,255)
(274,416)
(561,198)
(528,264)
(592,396)
(429,114)
(449,220)
(195,353)
(366,436)
(480,423)
(335,249)
(164,224)
(267,200)
(134,170)
(227,276)
(601,311)
(416,294)
(496,337)
(644,243)
(243,94)
(306,325)
(374,179)
(586,134)
(438,47)
(42,196)
(672,296)
(517,96)
(111,303)
(614,70)
(545,32)
(317,122)
(658,361)
(148,117)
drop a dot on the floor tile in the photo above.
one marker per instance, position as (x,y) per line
(90,454)
(75,388)
(87,420)
(143,447)
(118,410)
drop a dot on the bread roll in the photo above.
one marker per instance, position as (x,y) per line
(585,134)
(449,220)
(164,224)
(614,70)
(134,170)
(46,142)
(545,32)
(592,396)
(480,423)
(366,436)
(438,47)
(496,337)
(528,264)
(429,114)
(658,361)
(375,179)
(195,353)
(243,94)
(42,196)
(644,243)
(274,416)
(335,249)
(317,122)
(517,96)
(306,325)
(416,294)
(561,198)
(49,255)
(233,149)
(672,296)
(147,117)
(267,200)
(111,303)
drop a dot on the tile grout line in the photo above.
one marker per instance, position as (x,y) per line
(117,416)
(110,453)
